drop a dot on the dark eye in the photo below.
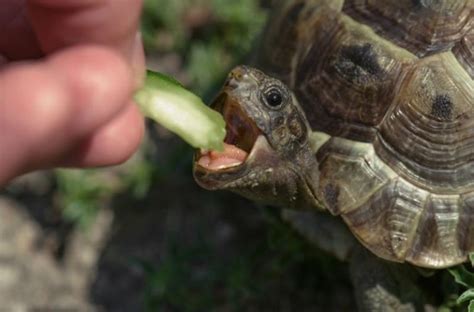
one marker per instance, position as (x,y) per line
(274,97)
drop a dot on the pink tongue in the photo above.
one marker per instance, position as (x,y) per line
(231,156)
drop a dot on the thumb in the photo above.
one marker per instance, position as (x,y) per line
(48,108)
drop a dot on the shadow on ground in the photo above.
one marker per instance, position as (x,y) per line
(186,249)
(179,248)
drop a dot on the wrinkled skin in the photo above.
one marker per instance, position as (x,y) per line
(272,172)
(280,170)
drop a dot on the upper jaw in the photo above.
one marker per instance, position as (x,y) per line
(243,141)
(241,134)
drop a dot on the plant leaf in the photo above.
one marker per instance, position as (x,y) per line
(465,296)
(471,306)
(462,276)
(471,258)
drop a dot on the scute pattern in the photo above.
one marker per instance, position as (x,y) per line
(434,114)
(420,26)
(436,240)
(347,76)
(465,229)
(359,64)
(393,218)
(390,81)
(279,45)
(442,107)
(388,221)
(286,35)
(339,159)
(464,52)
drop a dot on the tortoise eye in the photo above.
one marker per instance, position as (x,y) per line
(274,97)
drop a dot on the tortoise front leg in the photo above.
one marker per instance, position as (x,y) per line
(379,285)
(382,286)
(323,230)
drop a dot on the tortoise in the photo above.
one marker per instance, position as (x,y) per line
(364,109)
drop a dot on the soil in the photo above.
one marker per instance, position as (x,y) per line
(49,264)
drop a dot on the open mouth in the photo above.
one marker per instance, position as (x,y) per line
(241,134)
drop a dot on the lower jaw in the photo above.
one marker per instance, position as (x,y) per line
(260,153)
(216,180)
(230,157)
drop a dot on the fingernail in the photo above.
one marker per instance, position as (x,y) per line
(138,60)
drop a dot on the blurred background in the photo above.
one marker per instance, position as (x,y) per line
(143,236)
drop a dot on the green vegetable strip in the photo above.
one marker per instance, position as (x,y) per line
(167,102)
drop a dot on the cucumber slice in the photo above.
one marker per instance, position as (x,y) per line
(167,102)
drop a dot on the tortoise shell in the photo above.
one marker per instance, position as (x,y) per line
(391,82)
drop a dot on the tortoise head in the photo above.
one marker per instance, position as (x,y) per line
(266,152)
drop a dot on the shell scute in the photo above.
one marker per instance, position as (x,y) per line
(338,159)
(434,114)
(436,241)
(465,230)
(442,107)
(280,41)
(387,222)
(359,64)
(420,26)
(347,76)
(464,52)
(390,84)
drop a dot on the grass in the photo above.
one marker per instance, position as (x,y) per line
(278,265)
(464,277)
(210,36)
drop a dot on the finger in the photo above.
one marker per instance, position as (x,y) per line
(18,40)
(138,60)
(112,144)
(69,22)
(46,108)
(99,82)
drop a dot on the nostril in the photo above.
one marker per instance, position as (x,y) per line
(239,73)
(232,83)
(236,76)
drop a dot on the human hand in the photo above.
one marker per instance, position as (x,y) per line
(68,102)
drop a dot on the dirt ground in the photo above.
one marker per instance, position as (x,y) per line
(180,248)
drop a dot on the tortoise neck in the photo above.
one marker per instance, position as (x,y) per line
(306,169)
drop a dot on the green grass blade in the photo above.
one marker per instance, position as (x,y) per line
(462,276)
(471,306)
(471,258)
(466,296)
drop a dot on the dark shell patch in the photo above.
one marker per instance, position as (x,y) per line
(357,61)
(331,195)
(422,4)
(442,107)
(294,12)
